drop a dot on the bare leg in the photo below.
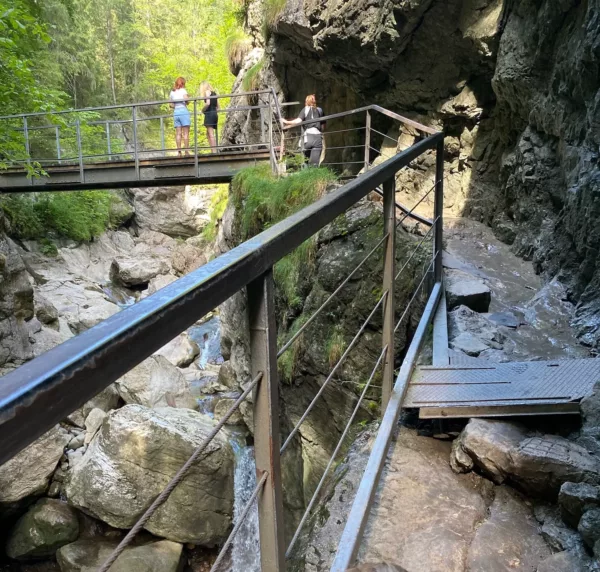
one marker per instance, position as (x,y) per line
(210,132)
(186,139)
(178,139)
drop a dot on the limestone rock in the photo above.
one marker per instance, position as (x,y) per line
(89,555)
(575,498)
(137,271)
(223,405)
(469,344)
(186,258)
(462,289)
(93,422)
(181,351)
(45,312)
(45,527)
(28,473)
(106,400)
(133,456)
(156,382)
(589,527)
(537,464)
(563,562)
(464,320)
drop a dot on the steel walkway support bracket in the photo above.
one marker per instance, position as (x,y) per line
(263,347)
(389,278)
(438,211)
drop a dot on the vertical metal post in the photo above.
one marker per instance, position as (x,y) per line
(108,145)
(389,275)
(162,135)
(58,154)
(367,141)
(196,170)
(263,347)
(271,148)
(136,156)
(438,211)
(79,151)
(263,134)
(27,149)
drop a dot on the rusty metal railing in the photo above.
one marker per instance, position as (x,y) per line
(70,374)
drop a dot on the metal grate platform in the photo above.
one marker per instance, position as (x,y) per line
(492,390)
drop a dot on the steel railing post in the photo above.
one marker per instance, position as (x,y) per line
(136,156)
(263,347)
(162,136)
(389,275)
(27,149)
(79,150)
(196,168)
(58,154)
(108,144)
(438,211)
(271,149)
(367,140)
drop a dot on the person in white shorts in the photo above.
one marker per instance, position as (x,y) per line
(181,115)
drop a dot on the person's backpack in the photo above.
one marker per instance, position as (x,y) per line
(314,113)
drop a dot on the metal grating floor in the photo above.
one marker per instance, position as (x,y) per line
(489,389)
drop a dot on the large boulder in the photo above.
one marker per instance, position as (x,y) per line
(28,473)
(180,351)
(42,530)
(132,458)
(89,555)
(137,271)
(589,527)
(462,289)
(575,498)
(156,382)
(538,464)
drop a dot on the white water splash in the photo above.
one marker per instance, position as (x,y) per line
(246,552)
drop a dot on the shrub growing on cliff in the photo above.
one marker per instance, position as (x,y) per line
(80,215)
(218,204)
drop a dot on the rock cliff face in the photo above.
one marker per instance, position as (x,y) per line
(514,85)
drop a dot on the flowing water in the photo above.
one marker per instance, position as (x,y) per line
(208,338)
(245,554)
(118,295)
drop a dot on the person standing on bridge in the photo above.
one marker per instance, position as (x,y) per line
(181,115)
(312,133)
(211,113)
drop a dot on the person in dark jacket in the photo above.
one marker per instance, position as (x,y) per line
(312,133)
(211,116)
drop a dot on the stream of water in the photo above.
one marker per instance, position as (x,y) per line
(245,554)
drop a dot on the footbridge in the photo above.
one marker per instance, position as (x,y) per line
(44,391)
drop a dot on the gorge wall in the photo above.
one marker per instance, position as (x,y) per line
(514,85)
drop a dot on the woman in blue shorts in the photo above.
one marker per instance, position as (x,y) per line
(181,115)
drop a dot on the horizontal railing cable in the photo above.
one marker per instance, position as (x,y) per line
(416,248)
(384,135)
(416,292)
(334,455)
(410,212)
(330,376)
(179,476)
(331,297)
(236,528)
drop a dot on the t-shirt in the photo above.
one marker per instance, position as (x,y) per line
(312,113)
(179,95)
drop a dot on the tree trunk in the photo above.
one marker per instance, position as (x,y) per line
(110,53)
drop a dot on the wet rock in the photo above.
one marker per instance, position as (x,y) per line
(137,271)
(227,376)
(156,382)
(93,422)
(469,344)
(89,555)
(539,465)
(45,311)
(460,461)
(223,405)
(462,289)
(44,528)
(29,472)
(181,351)
(76,442)
(512,532)
(464,320)
(575,498)
(506,319)
(589,527)
(133,456)
(560,538)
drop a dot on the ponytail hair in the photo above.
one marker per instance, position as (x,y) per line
(179,83)
(310,101)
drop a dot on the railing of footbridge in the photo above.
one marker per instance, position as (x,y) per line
(46,390)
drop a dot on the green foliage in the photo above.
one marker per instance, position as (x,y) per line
(273,9)
(48,248)
(237,46)
(218,204)
(251,78)
(336,345)
(262,199)
(288,362)
(80,215)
